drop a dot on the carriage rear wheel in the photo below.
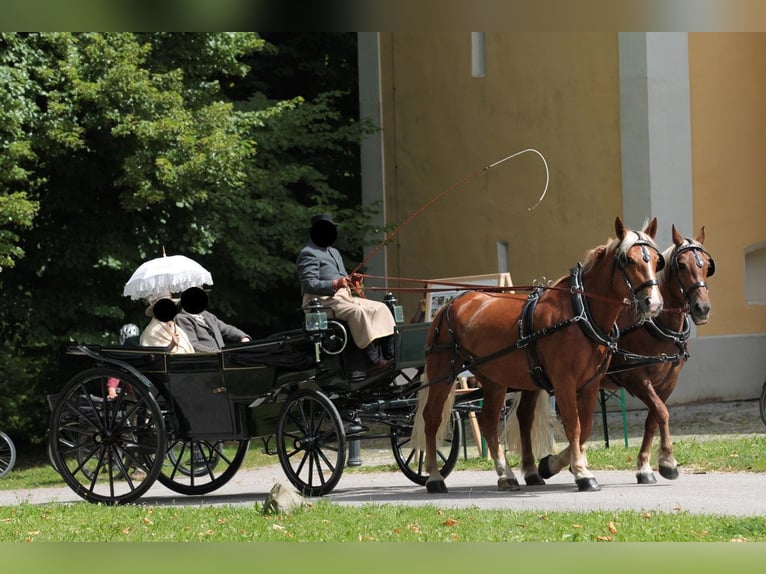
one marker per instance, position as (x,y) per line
(106,450)
(411,461)
(7,454)
(311,442)
(201,466)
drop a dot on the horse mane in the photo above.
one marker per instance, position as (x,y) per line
(662,274)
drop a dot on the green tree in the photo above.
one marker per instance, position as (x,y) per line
(118,145)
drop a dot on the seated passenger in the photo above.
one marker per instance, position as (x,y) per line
(207,333)
(162,330)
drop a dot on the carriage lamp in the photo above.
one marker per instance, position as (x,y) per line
(396,310)
(316,319)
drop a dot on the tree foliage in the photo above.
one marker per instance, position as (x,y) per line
(117,146)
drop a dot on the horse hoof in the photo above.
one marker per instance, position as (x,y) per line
(669,472)
(436,487)
(587,484)
(505,484)
(543,467)
(643,478)
(534,480)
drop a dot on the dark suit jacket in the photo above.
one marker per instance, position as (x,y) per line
(210,337)
(317,267)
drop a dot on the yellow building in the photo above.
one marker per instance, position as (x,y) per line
(639,125)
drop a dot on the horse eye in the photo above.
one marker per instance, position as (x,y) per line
(681,265)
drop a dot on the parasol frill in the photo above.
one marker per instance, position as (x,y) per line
(166,274)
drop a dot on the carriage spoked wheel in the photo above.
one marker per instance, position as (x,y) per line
(311,442)
(763,404)
(7,454)
(106,449)
(411,461)
(200,466)
(334,339)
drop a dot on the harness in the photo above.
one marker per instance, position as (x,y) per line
(528,337)
(679,338)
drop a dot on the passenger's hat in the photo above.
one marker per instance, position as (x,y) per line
(150,311)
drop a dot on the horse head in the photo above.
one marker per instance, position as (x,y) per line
(638,260)
(690,266)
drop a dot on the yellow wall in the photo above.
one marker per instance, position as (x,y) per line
(728,112)
(558,93)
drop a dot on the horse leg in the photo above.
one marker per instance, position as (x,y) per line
(666,462)
(489,418)
(578,466)
(432,419)
(658,415)
(526,415)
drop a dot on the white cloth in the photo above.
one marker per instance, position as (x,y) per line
(159,334)
(367,319)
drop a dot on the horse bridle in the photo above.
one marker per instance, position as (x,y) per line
(696,251)
(622,261)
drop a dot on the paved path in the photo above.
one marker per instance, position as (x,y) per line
(736,494)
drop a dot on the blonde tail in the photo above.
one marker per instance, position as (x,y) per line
(542,430)
(418,439)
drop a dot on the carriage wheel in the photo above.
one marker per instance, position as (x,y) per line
(7,454)
(411,461)
(763,404)
(200,466)
(106,449)
(311,443)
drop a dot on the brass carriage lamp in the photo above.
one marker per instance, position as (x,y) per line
(316,319)
(396,310)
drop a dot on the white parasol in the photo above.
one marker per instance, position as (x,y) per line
(165,274)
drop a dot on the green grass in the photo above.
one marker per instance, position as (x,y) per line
(323,521)
(743,454)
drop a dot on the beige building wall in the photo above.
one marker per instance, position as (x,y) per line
(728,104)
(562,94)
(552,92)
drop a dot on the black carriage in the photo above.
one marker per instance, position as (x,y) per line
(186,420)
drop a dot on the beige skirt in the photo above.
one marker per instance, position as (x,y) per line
(367,319)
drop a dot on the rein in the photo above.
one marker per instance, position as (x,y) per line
(484,288)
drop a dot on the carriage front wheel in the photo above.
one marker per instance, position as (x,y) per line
(311,442)
(411,461)
(7,454)
(107,449)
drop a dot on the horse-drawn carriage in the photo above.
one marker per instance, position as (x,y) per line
(187,420)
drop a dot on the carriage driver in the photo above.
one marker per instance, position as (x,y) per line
(322,274)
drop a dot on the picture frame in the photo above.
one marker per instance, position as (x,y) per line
(446,292)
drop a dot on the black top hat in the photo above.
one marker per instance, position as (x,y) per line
(322,217)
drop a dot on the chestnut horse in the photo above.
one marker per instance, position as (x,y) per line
(480,331)
(651,355)
(685,293)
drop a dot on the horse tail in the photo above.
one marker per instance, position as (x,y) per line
(418,439)
(541,433)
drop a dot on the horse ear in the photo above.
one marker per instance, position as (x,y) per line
(678,239)
(701,237)
(651,229)
(619,228)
